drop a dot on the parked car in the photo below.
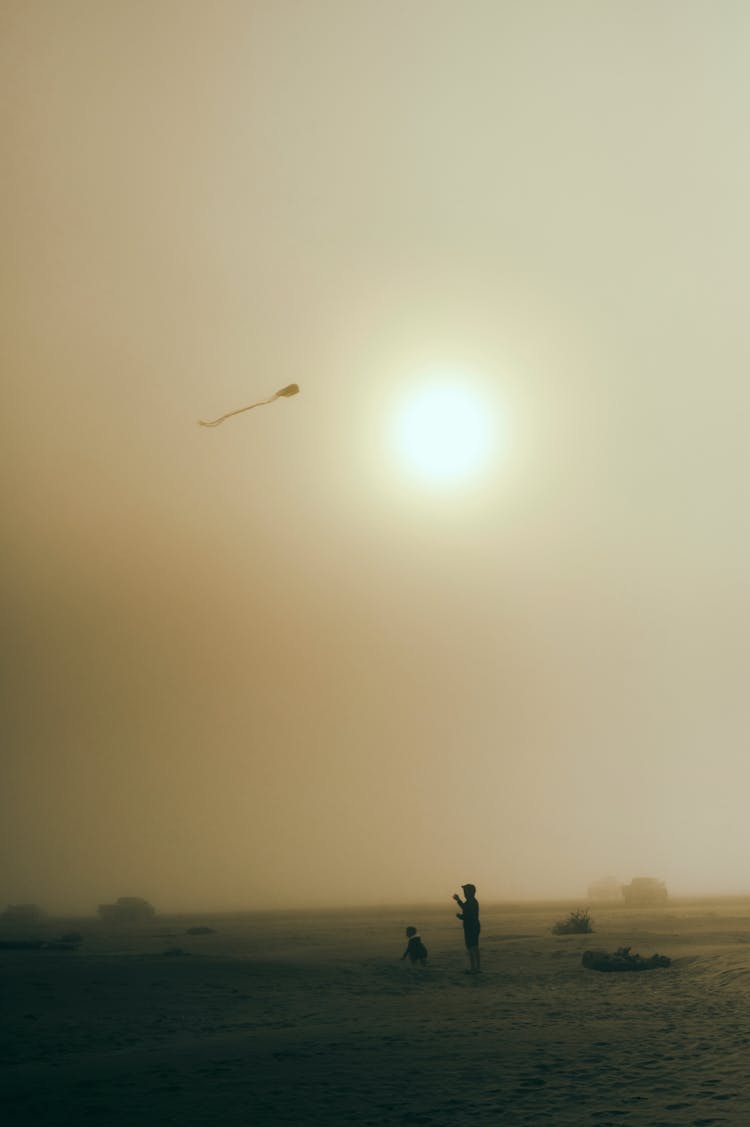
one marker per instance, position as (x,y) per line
(606,889)
(644,891)
(23,914)
(127,910)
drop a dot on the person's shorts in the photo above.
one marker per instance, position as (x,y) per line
(471,937)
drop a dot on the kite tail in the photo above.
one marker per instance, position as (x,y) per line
(286,392)
(239,411)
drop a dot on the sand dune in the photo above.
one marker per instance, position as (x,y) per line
(296,1018)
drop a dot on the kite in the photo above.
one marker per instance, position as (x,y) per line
(285,392)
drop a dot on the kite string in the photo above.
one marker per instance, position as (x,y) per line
(239,411)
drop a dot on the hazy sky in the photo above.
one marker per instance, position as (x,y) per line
(263,665)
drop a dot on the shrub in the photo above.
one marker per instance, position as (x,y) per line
(577,923)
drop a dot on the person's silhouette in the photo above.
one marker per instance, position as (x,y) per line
(415,948)
(469,916)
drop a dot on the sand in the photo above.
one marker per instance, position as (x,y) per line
(309,1018)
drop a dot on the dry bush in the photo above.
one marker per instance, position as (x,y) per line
(577,923)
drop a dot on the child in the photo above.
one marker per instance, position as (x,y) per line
(469,916)
(415,948)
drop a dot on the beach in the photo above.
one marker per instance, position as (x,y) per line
(311,1018)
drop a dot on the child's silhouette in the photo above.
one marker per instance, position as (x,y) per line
(415,948)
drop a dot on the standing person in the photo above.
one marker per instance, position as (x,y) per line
(469,916)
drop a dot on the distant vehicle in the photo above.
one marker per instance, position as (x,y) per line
(606,889)
(127,910)
(23,914)
(643,892)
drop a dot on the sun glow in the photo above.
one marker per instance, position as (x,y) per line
(444,433)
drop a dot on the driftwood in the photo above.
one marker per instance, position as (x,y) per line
(622,960)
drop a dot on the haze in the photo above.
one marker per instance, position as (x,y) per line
(261,666)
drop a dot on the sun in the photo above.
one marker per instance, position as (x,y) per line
(443,433)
